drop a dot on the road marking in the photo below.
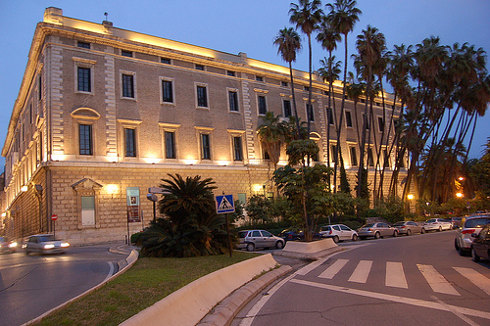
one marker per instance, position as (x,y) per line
(457,313)
(111,271)
(395,276)
(481,281)
(436,281)
(394,298)
(331,271)
(361,272)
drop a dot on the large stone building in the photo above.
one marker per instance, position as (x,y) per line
(104,113)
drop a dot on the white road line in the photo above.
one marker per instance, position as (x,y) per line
(476,278)
(395,276)
(457,313)
(331,271)
(361,272)
(111,271)
(436,281)
(394,298)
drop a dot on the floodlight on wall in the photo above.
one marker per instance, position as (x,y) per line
(4,214)
(24,188)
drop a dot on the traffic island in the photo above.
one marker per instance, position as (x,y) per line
(308,250)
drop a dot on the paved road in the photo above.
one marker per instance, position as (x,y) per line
(417,280)
(31,285)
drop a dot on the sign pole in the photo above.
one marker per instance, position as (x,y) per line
(54,229)
(228,233)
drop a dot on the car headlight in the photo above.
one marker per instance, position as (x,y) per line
(65,244)
(13,245)
(49,246)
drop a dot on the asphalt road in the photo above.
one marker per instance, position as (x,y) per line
(416,280)
(31,285)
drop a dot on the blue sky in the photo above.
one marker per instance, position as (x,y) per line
(240,26)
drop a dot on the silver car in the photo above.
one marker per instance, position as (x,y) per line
(472,224)
(377,230)
(252,239)
(408,227)
(437,224)
(338,232)
(45,244)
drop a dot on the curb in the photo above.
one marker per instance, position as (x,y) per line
(227,309)
(129,261)
(309,257)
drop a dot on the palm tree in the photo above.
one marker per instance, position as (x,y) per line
(306,16)
(342,17)
(271,134)
(288,43)
(370,44)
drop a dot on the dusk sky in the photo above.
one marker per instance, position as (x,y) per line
(240,26)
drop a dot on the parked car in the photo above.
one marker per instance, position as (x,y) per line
(295,234)
(456,221)
(377,230)
(437,224)
(338,232)
(254,239)
(45,244)
(408,227)
(7,246)
(480,248)
(472,224)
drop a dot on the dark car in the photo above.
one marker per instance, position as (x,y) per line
(480,248)
(296,234)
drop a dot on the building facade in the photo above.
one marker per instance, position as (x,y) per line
(105,113)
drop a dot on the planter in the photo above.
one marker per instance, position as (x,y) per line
(309,250)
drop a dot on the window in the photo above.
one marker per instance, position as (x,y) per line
(202,96)
(330,116)
(307,88)
(262,105)
(284,84)
(88,210)
(205,147)
(126,53)
(199,67)
(353,156)
(85,139)
(237,149)
(233,100)
(30,113)
(333,152)
(286,106)
(84,80)
(40,89)
(370,157)
(402,162)
(348,119)
(365,121)
(128,86)
(230,73)
(84,45)
(259,78)
(130,142)
(167,91)
(386,158)
(381,124)
(310,112)
(165,61)
(170,144)
(326,92)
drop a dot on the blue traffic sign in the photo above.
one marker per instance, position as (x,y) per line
(225,204)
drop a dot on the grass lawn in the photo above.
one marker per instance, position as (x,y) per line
(148,281)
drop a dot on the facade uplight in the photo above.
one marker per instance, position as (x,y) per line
(410,196)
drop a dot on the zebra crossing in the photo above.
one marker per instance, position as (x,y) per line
(395,275)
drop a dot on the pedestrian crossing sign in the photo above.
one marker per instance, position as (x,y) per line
(225,204)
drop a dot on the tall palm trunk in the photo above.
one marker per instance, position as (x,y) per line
(363,138)
(339,129)
(294,99)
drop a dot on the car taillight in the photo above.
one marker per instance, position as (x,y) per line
(370,229)
(404,226)
(330,232)
(469,231)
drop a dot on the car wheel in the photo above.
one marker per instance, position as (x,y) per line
(377,235)
(461,251)
(354,237)
(456,246)
(474,256)
(279,244)
(250,247)
(27,252)
(409,232)
(440,229)
(395,234)
(335,239)
(422,231)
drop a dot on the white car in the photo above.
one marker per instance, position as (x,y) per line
(437,224)
(338,232)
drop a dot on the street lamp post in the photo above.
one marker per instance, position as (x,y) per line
(153,198)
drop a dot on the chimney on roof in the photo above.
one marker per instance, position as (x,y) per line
(53,15)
